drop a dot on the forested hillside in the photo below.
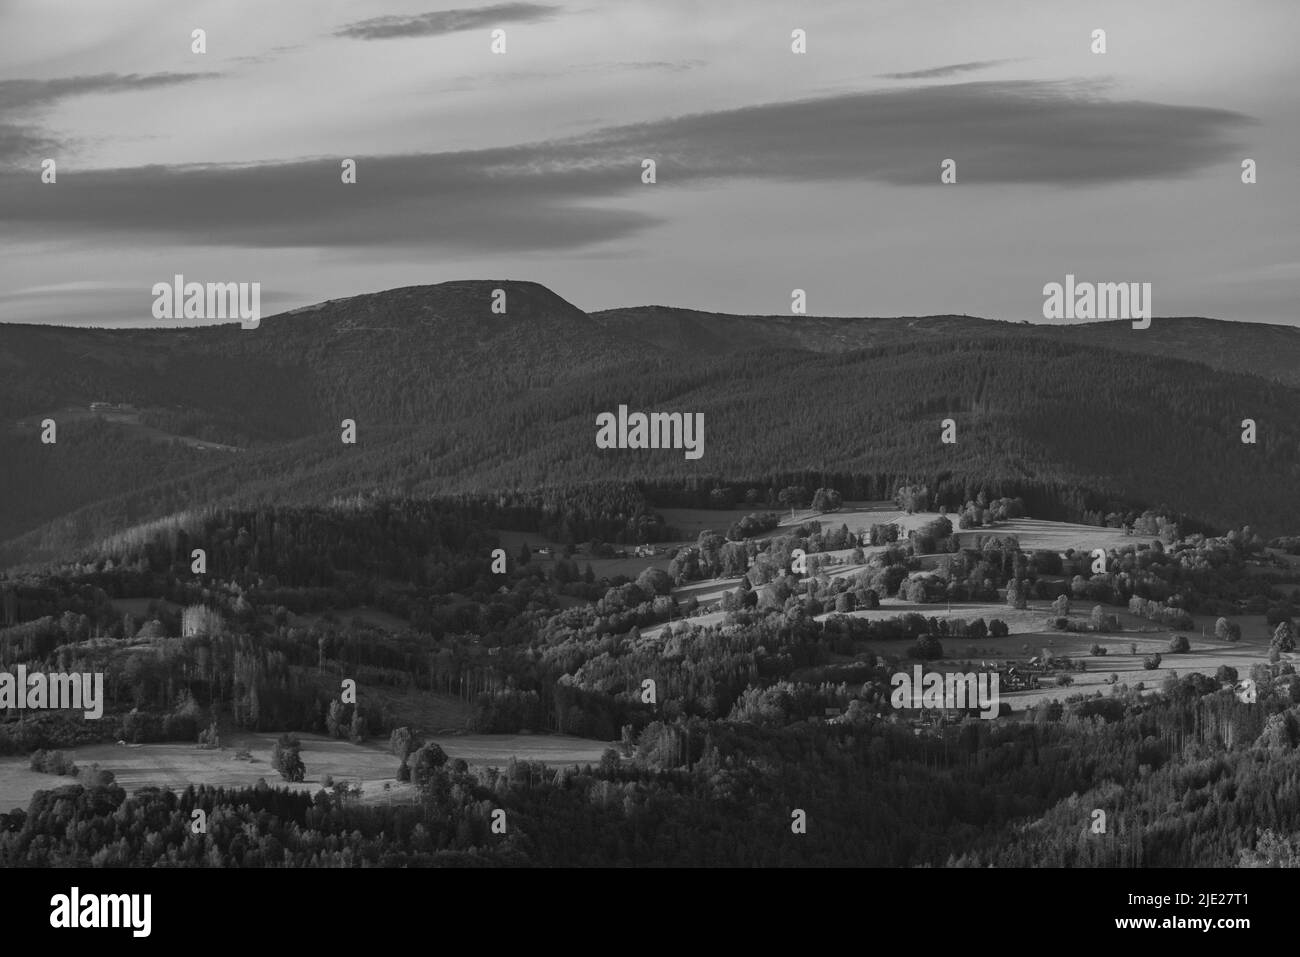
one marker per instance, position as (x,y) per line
(1271,351)
(740,740)
(449,399)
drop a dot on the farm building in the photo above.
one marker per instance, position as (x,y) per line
(1013,679)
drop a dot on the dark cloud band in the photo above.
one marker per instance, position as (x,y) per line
(440,22)
(16,95)
(951,69)
(563,193)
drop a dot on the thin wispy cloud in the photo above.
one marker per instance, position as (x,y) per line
(505,78)
(938,72)
(18,142)
(111,303)
(438,22)
(88,286)
(271,54)
(21,100)
(24,93)
(668,66)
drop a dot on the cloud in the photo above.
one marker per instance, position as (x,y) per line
(18,142)
(82,286)
(16,95)
(474,81)
(480,200)
(1017,132)
(670,66)
(439,22)
(113,303)
(942,71)
(564,193)
(22,139)
(271,54)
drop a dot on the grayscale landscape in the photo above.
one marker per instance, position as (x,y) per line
(649,435)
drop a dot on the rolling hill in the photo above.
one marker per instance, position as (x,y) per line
(1270,351)
(450,398)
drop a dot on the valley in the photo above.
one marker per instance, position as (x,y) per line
(480,606)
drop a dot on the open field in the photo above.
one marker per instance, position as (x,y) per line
(1027,621)
(689,522)
(1206,655)
(705,591)
(176,766)
(1032,534)
(1058,536)
(1130,671)
(858,516)
(1030,637)
(1205,658)
(700,621)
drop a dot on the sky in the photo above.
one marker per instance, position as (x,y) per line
(775,170)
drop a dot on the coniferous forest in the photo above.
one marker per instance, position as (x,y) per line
(773,700)
(508,435)
(443,408)
(719,638)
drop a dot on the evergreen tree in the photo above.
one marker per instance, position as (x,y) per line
(286,759)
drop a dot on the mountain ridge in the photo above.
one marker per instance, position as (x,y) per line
(450,398)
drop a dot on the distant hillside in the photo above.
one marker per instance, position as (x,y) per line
(1271,351)
(449,398)
(419,349)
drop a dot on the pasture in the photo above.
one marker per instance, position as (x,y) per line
(176,766)
(1206,653)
